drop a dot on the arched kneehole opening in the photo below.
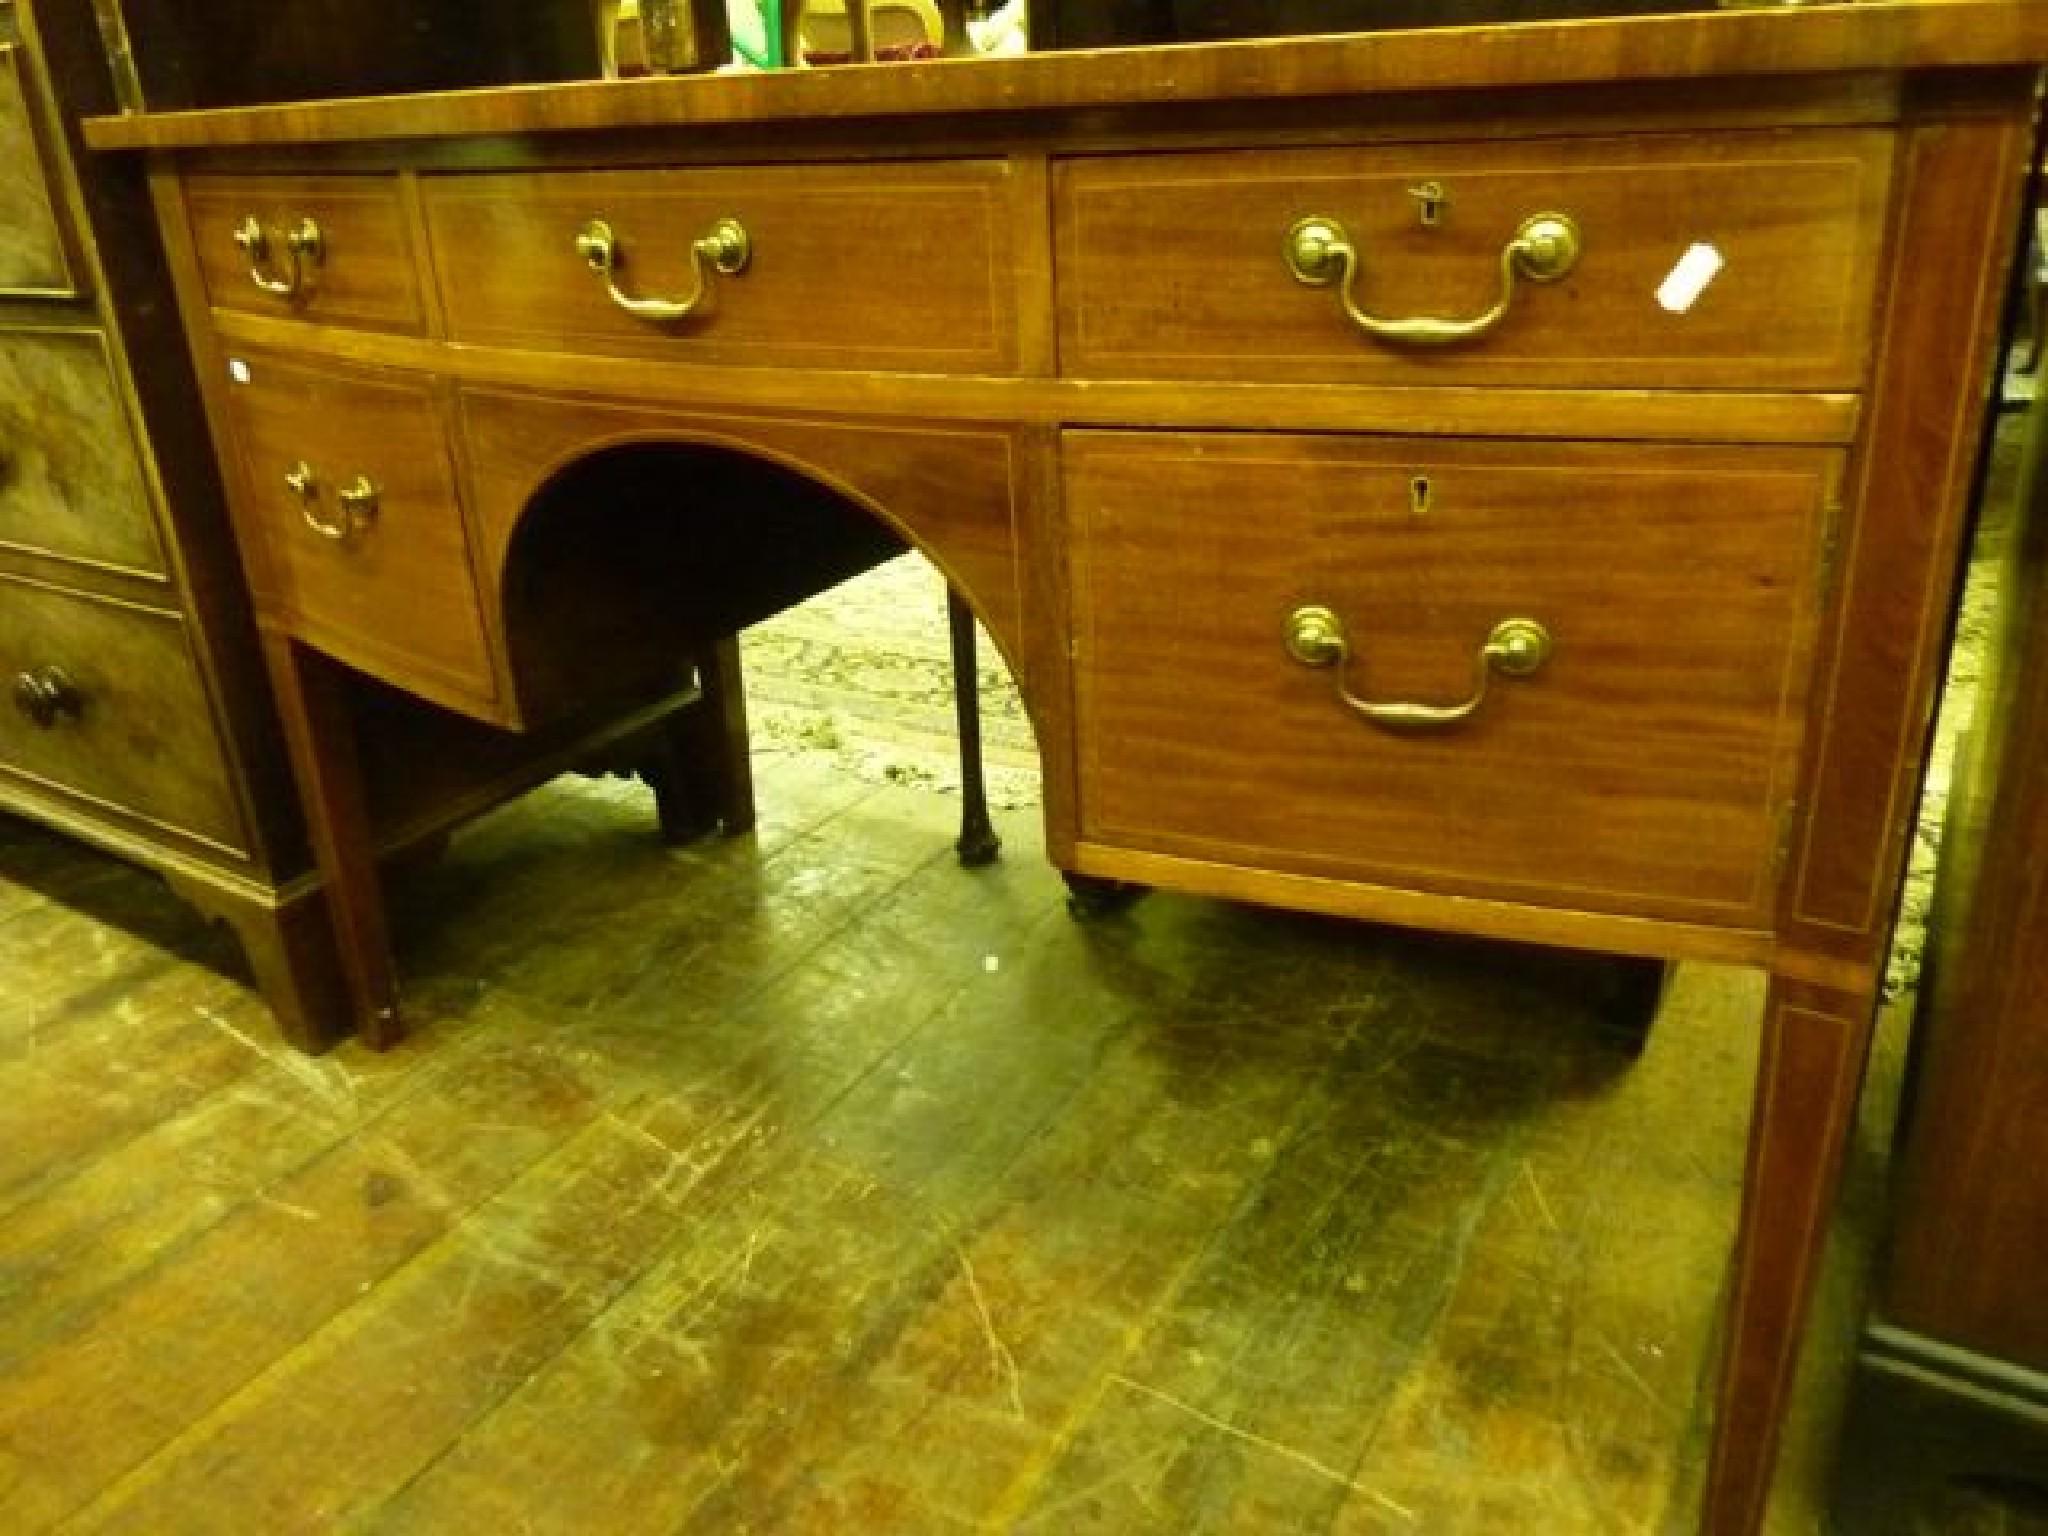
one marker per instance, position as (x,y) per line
(635,558)
(628,559)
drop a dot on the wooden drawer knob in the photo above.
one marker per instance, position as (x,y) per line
(47,695)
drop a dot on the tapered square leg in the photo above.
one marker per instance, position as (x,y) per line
(320,733)
(1809,1076)
(703,775)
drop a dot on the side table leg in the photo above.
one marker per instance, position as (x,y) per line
(1961,171)
(1815,1040)
(1091,896)
(723,748)
(978,842)
(1629,999)
(697,761)
(320,733)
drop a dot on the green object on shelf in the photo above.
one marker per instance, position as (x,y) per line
(757,32)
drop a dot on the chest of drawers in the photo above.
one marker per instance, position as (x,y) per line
(132,714)
(1505,480)
(134,711)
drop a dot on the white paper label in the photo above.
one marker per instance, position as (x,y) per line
(238,370)
(1687,280)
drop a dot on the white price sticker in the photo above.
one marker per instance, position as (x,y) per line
(1688,279)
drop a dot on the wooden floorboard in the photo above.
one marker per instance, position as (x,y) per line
(808,1183)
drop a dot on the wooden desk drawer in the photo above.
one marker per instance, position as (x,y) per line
(104,700)
(1176,266)
(870,266)
(70,481)
(33,259)
(359,272)
(1643,768)
(348,489)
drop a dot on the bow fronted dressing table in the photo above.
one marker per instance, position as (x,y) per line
(1503,479)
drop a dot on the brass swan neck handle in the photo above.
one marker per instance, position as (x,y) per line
(1320,252)
(1515,648)
(726,249)
(358,503)
(304,247)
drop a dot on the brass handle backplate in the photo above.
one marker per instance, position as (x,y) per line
(727,249)
(304,247)
(1320,252)
(47,695)
(358,503)
(1515,648)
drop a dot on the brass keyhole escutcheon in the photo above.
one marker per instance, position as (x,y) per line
(1430,199)
(1420,493)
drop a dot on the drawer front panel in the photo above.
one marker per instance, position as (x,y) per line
(1177,266)
(360,270)
(104,699)
(1643,768)
(875,266)
(32,257)
(348,488)
(71,481)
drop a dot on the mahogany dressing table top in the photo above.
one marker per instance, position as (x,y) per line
(1111,409)
(1898,35)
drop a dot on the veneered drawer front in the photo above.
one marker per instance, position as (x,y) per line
(1641,769)
(71,483)
(32,256)
(870,266)
(348,487)
(1176,266)
(104,700)
(360,272)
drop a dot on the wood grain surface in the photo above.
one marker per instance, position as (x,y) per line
(775,1205)
(854,266)
(1171,266)
(143,738)
(1492,410)
(1971,1210)
(33,258)
(951,491)
(71,476)
(1909,34)
(397,598)
(1720,745)
(1644,770)
(366,273)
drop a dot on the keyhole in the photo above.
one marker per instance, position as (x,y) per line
(1419,492)
(1430,198)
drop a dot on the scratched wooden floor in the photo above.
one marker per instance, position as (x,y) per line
(808,1183)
